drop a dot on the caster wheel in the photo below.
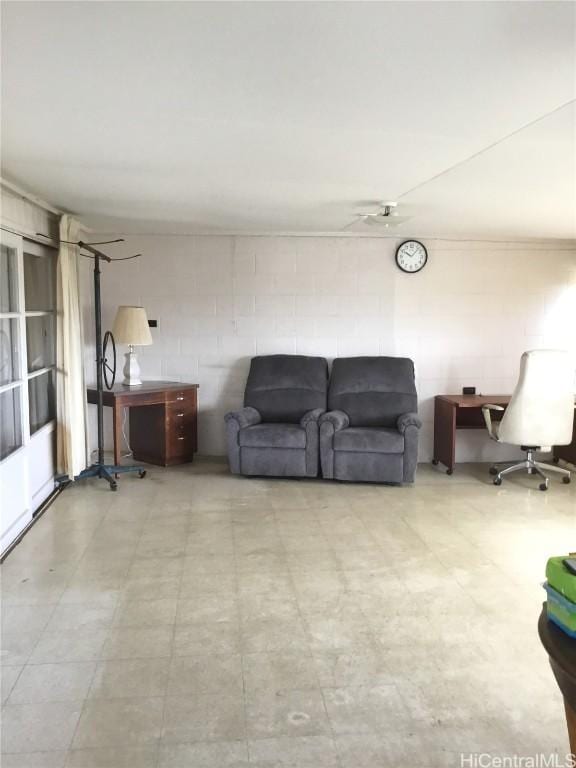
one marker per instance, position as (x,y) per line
(493,471)
(566,480)
(449,471)
(497,481)
(435,462)
(556,460)
(543,487)
(142,474)
(113,486)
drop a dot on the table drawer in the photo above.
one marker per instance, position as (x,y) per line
(181,427)
(180,442)
(181,396)
(181,413)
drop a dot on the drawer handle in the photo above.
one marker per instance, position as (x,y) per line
(180,397)
(180,414)
(181,438)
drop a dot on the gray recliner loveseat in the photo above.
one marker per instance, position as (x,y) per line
(370,432)
(276,433)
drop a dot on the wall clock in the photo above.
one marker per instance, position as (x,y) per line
(411,256)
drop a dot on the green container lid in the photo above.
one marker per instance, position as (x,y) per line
(561,578)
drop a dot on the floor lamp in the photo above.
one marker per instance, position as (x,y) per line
(100,469)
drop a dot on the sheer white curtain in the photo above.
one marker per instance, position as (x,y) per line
(71,390)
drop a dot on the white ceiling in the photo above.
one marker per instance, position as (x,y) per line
(241,116)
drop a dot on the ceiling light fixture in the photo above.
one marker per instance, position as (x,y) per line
(387,216)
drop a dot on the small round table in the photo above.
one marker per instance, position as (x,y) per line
(562,654)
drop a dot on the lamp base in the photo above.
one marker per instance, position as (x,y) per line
(131,370)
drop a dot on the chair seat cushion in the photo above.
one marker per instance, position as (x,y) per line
(368,440)
(273,436)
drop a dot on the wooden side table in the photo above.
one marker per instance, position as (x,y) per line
(163,420)
(562,654)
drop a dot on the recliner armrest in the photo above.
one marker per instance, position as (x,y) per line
(245,417)
(338,419)
(408,420)
(488,419)
(311,416)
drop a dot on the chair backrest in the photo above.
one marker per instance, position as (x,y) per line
(283,387)
(541,411)
(373,391)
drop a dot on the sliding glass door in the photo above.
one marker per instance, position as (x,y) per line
(27,381)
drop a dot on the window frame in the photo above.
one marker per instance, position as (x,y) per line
(22,376)
(43,252)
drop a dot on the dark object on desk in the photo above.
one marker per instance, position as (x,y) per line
(452,412)
(468,390)
(163,420)
(561,651)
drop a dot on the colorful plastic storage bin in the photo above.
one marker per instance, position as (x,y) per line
(560,578)
(561,610)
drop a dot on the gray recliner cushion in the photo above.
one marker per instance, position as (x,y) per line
(274,463)
(372,391)
(273,436)
(368,439)
(359,467)
(282,388)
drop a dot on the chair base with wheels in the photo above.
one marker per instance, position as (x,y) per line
(533,467)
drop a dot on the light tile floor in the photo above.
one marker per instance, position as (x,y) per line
(200,620)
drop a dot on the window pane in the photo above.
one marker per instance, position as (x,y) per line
(8,285)
(39,281)
(41,398)
(9,368)
(40,342)
(10,424)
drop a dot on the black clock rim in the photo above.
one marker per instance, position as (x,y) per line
(408,271)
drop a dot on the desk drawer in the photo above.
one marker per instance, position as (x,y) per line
(180,444)
(164,434)
(181,424)
(180,410)
(181,396)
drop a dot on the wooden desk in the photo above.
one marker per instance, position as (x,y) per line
(452,412)
(567,452)
(163,421)
(561,651)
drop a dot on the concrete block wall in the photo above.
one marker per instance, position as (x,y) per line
(465,319)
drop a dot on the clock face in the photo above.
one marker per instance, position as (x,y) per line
(411,256)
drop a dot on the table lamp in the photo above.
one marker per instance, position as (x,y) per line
(131,327)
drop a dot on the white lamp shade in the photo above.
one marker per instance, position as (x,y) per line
(131,327)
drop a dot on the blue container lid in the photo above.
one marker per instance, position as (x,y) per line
(556,597)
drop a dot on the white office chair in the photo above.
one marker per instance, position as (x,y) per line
(540,413)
